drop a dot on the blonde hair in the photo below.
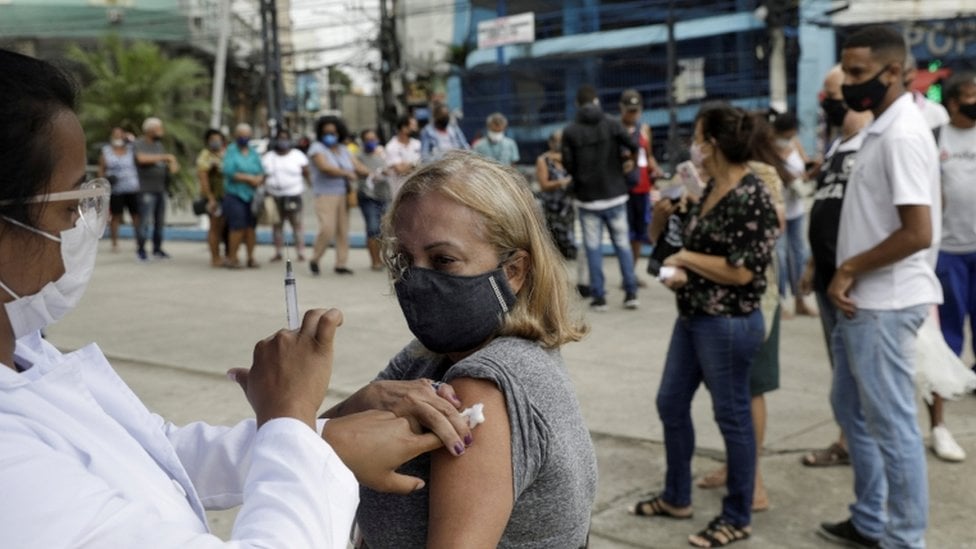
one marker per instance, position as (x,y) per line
(510,220)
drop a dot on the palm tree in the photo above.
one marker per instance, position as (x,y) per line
(125,83)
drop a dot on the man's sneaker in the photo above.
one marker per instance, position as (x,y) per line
(584,291)
(599,304)
(944,446)
(844,533)
(314,267)
(141,256)
(159,254)
(630,302)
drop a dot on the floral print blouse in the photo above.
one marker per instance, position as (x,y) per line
(742,227)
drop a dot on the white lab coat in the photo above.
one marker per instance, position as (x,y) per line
(83,463)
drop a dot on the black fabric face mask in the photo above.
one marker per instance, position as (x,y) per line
(835,109)
(451,313)
(968,110)
(866,95)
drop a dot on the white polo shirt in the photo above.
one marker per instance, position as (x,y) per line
(898,165)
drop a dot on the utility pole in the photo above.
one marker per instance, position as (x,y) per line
(673,145)
(220,65)
(389,65)
(776,16)
(272,62)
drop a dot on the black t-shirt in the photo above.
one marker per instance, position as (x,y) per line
(825,211)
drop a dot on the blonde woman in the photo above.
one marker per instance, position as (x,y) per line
(487,297)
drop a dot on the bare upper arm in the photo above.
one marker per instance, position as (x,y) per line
(472,496)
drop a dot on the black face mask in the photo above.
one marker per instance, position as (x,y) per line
(968,110)
(451,313)
(866,95)
(835,109)
(442,123)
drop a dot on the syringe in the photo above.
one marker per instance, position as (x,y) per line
(291,297)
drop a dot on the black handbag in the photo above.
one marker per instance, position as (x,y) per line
(200,206)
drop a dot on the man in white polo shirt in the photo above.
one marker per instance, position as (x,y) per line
(883,288)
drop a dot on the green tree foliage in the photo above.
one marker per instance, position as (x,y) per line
(127,82)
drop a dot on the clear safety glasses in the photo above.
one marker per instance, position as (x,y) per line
(89,202)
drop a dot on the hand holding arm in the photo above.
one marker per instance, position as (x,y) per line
(418,402)
(373,444)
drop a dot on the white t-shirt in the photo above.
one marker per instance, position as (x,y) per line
(957,153)
(898,165)
(284,172)
(794,203)
(935,114)
(397,153)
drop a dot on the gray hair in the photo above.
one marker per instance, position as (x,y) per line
(150,123)
(496,118)
(242,127)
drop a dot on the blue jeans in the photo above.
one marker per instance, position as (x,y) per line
(718,350)
(615,219)
(873,397)
(957,273)
(151,204)
(373,211)
(791,250)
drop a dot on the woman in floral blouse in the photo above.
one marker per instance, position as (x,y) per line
(718,280)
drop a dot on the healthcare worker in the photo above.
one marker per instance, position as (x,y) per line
(84,463)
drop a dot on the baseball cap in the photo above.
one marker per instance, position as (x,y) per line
(631,99)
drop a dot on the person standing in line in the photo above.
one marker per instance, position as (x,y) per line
(334,170)
(764,376)
(402,152)
(641,174)
(210,173)
(496,145)
(592,155)
(286,170)
(117,163)
(242,174)
(155,166)
(883,288)
(828,197)
(441,135)
(557,202)
(718,277)
(956,266)
(791,248)
(374,193)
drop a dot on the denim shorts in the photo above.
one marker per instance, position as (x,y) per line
(238,213)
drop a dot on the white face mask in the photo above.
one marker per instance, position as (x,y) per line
(495,137)
(30,313)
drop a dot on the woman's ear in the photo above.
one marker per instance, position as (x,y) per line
(517,269)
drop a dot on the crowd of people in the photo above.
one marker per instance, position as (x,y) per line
(879,228)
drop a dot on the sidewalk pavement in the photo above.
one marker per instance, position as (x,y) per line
(173,327)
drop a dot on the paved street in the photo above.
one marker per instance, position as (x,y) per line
(173,327)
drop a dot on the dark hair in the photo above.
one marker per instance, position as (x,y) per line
(881,39)
(212,132)
(731,129)
(403,121)
(341,130)
(953,87)
(32,93)
(785,122)
(280,131)
(764,147)
(585,94)
(362,134)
